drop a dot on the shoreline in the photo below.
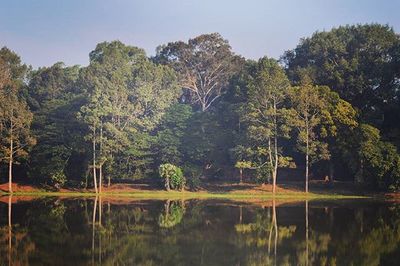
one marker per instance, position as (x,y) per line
(245,191)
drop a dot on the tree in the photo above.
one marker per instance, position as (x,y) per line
(108,111)
(308,106)
(15,117)
(170,134)
(127,98)
(372,161)
(338,120)
(361,63)
(172,175)
(55,100)
(266,112)
(242,165)
(204,64)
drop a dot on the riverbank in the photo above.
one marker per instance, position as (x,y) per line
(318,190)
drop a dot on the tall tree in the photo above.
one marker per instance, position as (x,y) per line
(15,117)
(127,97)
(55,100)
(204,64)
(309,106)
(169,145)
(266,114)
(361,63)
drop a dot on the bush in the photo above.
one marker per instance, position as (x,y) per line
(58,180)
(263,175)
(193,173)
(172,175)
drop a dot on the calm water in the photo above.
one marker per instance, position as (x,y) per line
(198,232)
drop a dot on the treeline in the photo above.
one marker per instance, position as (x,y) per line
(329,106)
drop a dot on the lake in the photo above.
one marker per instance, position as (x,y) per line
(119,231)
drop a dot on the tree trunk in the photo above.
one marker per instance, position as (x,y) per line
(271,164)
(241,175)
(101,158)
(100,210)
(307,151)
(10,161)
(167,184)
(275,166)
(203,106)
(331,172)
(94,159)
(100,177)
(10,164)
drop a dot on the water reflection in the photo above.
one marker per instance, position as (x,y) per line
(104,231)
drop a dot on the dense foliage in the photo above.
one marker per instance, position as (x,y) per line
(331,107)
(172,175)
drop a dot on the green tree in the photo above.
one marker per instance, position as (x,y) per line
(55,100)
(127,98)
(267,124)
(309,106)
(172,175)
(204,64)
(15,116)
(373,161)
(170,135)
(361,63)
(241,165)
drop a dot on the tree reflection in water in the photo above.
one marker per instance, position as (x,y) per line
(197,232)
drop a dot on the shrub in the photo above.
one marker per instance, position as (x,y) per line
(58,179)
(172,175)
(263,175)
(193,173)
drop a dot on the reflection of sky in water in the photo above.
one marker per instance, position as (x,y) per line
(195,232)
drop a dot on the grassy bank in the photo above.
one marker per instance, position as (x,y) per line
(218,191)
(190,195)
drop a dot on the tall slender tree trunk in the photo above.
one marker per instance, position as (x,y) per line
(275,166)
(275,170)
(100,177)
(307,154)
(331,172)
(271,164)
(10,164)
(94,159)
(101,158)
(10,161)
(241,175)
(100,210)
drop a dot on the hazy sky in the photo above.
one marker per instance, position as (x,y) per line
(47,31)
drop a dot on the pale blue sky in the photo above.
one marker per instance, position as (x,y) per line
(46,31)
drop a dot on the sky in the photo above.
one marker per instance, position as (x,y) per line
(44,32)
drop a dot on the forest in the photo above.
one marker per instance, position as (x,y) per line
(196,112)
